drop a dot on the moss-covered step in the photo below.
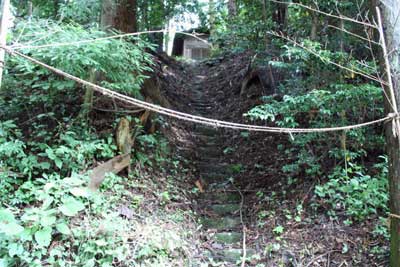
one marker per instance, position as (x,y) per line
(221,197)
(225,209)
(207,130)
(222,223)
(228,238)
(211,177)
(234,255)
(210,152)
(215,167)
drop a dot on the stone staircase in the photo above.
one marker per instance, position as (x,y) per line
(221,204)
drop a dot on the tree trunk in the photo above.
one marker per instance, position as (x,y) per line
(211,13)
(120,15)
(116,14)
(88,99)
(342,35)
(391,10)
(4,24)
(314,27)
(265,21)
(56,4)
(232,8)
(30,9)
(280,16)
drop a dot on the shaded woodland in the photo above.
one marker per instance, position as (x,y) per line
(278,145)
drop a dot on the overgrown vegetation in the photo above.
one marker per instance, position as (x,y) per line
(48,217)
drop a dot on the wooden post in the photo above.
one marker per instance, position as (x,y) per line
(4,24)
(389,28)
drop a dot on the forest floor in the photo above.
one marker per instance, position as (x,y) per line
(285,224)
(195,196)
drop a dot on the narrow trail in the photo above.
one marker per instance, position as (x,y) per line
(245,184)
(232,165)
(221,205)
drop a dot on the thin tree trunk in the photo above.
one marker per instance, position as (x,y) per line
(265,20)
(5,17)
(56,4)
(391,9)
(87,105)
(211,13)
(280,16)
(108,13)
(314,26)
(30,9)
(342,35)
(232,8)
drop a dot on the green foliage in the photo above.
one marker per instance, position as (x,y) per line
(356,192)
(59,221)
(84,12)
(338,105)
(26,240)
(350,188)
(113,58)
(318,107)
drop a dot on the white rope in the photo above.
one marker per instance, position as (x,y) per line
(88,41)
(192,118)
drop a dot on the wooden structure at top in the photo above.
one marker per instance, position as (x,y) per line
(190,47)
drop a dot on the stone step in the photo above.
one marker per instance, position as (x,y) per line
(218,186)
(209,159)
(201,108)
(215,177)
(221,197)
(211,143)
(201,103)
(232,255)
(229,238)
(212,131)
(221,223)
(206,152)
(207,137)
(225,209)
(214,168)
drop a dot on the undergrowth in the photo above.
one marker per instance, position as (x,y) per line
(350,165)
(49,216)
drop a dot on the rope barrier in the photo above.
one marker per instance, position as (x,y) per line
(395,216)
(124,35)
(188,117)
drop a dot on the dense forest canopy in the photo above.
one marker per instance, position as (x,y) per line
(87,179)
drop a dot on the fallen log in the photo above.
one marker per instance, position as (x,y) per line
(114,165)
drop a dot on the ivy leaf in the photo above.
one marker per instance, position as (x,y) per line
(89,263)
(80,191)
(6,216)
(11,228)
(48,220)
(63,228)
(58,163)
(45,165)
(43,237)
(73,181)
(15,249)
(71,207)
(278,230)
(8,224)
(50,154)
(4,263)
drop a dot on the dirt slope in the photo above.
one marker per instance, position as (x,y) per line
(242,176)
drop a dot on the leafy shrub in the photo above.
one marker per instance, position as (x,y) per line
(121,63)
(356,192)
